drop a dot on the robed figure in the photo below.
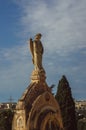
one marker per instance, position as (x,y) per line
(37,50)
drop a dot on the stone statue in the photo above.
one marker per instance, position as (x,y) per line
(37,50)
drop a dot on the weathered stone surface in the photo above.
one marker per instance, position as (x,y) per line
(43,110)
(37,108)
(38,76)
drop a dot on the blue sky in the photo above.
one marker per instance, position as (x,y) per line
(63,26)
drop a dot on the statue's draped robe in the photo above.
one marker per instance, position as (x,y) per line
(37,52)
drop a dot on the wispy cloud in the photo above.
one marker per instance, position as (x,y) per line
(62,23)
(14,77)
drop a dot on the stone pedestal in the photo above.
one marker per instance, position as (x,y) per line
(38,76)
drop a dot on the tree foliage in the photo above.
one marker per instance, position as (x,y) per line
(82,124)
(6,117)
(67,105)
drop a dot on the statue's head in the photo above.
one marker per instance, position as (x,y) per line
(38,36)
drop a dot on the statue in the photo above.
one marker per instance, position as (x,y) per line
(37,50)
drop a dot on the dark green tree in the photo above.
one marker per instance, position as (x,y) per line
(67,105)
(6,117)
(82,124)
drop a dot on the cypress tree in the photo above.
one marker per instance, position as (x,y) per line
(67,105)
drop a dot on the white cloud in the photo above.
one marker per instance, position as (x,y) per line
(62,23)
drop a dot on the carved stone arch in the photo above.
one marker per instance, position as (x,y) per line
(19,121)
(42,106)
(45,117)
(44,110)
(50,122)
